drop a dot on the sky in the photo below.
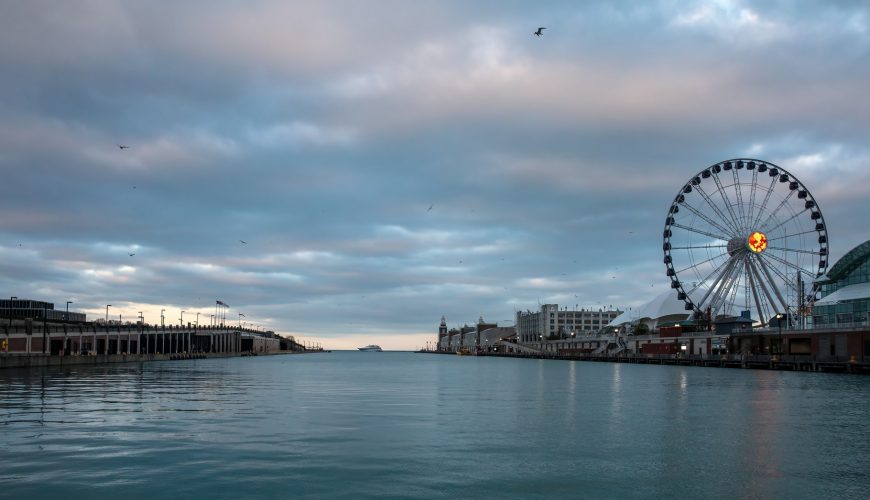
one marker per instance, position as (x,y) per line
(387,163)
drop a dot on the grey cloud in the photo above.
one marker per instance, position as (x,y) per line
(321,132)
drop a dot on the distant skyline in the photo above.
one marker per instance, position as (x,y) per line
(348,172)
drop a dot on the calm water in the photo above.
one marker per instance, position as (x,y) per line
(356,425)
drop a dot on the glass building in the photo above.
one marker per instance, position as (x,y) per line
(845,291)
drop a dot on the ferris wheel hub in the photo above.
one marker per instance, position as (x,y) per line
(736,245)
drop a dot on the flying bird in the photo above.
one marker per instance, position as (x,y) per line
(243,242)
(132,254)
(121,146)
(430,208)
(540,31)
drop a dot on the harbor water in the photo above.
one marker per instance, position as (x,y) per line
(406,425)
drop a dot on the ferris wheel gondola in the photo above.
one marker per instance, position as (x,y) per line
(745,236)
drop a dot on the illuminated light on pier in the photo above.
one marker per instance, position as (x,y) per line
(757,242)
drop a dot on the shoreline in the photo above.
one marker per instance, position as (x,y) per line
(25,362)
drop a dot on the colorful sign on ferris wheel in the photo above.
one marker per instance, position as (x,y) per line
(757,242)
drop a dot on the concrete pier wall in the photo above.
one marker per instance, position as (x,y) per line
(39,361)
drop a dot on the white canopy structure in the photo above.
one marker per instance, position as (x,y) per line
(663,308)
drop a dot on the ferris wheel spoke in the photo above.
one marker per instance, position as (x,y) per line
(719,213)
(793,217)
(731,301)
(762,284)
(764,203)
(772,283)
(707,219)
(723,287)
(809,231)
(722,272)
(751,216)
(776,211)
(699,263)
(785,280)
(705,233)
(788,264)
(784,249)
(741,223)
(695,247)
(727,203)
(755,294)
(699,284)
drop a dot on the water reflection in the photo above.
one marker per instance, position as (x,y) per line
(406,425)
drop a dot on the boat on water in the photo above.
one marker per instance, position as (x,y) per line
(371,348)
(464,352)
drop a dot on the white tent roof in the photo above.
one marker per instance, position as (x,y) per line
(851,292)
(664,304)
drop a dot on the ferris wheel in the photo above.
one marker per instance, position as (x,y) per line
(745,235)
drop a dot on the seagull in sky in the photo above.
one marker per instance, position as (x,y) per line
(243,242)
(540,31)
(430,208)
(121,146)
(132,254)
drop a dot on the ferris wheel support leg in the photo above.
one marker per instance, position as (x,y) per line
(755,295)
(761,283)
(725,271)
(726,285)
(775,289)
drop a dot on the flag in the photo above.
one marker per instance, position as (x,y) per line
(242,315)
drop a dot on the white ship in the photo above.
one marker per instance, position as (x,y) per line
(371,347)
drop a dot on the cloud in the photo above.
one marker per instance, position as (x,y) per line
(733,21)
(298,134)
(321,133)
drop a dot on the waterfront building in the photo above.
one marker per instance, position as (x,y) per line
(37,309)
(442,331)
(453,340)
(551,322)
(845,291)
(467,337)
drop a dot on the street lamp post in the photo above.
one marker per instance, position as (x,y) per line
(779,318)
(66,318)
(10,310)
(43,328)
(177,335)
(6,340)
(139,337)
(106,347)
(194,331)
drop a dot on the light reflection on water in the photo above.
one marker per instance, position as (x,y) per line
(353,425)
